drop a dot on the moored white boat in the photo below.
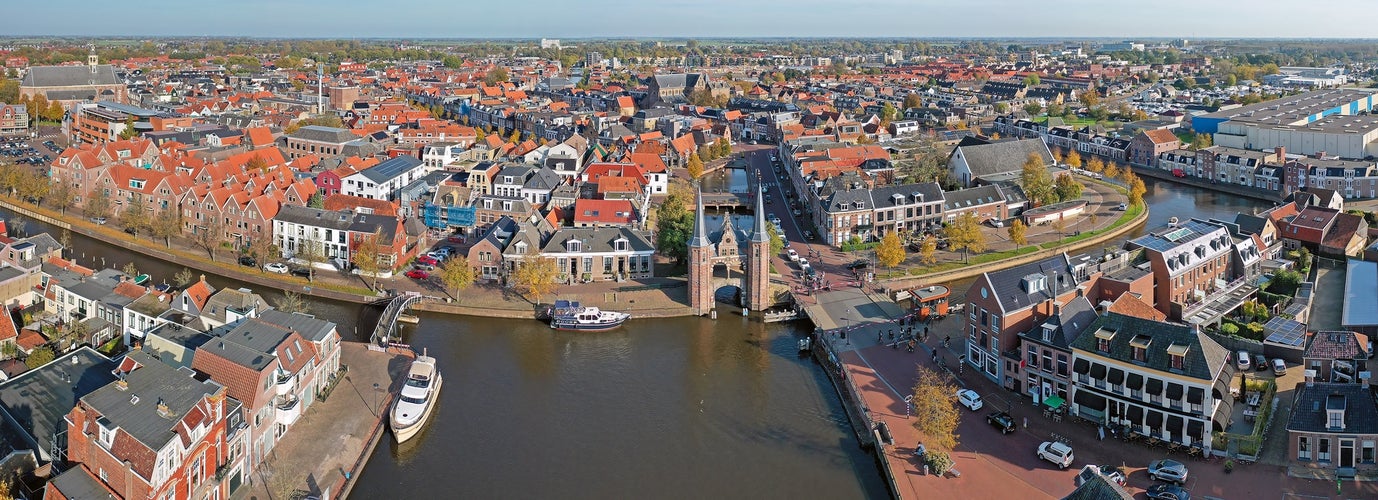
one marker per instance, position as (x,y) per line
(572,316)
(417,400)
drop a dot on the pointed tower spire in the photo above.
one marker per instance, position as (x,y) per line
(700,238)
(758,233)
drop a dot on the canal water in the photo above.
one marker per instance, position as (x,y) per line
(667,408)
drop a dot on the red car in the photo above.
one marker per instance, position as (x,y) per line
(428,260)
(418,274)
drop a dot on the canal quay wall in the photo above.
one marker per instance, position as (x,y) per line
(1233,189)
(324,452)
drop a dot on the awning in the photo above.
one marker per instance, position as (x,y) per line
(1194,429)
(1155,419)
(1174,424)
(1090,400)
(1054,402)
(1098,371)
(1155,386)
(1174,391)
(1081,366)
(1135,381)
(1116,376)
(1196,395)
(1135,414)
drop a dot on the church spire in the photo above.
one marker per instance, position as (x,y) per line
(700,238)
(758,233)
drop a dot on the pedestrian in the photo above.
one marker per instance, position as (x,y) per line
(1026,422)
(880,336)
(1100,431)
(892,336)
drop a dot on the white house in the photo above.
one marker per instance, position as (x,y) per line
(384,180)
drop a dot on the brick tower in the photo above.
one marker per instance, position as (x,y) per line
(758,259)
(700,263)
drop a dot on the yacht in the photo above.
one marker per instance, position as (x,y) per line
(414,405)
(572,316)
(1172,222)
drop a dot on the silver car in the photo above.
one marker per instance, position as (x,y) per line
(1171,471)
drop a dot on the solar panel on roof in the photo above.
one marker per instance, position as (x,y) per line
(1285,331)
(1177,234)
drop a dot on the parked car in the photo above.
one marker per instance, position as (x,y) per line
(803,263)
(1279,367)
(1122,207)
(418,274)
(1168,470)
(796,212)
(1241,360)
(247,260)
(1003,421)
(1056,453)
(793,255)
(809,235)
(970,399)
(436,256)
(98,220)
(304,272)
(996,223)
(1260,363)
(428,260)
(1111,473)
(275,267)
(1168,492)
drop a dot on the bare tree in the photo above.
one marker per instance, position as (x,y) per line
(368,258)
(167,224)
(209,236)
(183,278)
(292,302)
(311,252)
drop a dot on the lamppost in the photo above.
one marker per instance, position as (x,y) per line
(376,390)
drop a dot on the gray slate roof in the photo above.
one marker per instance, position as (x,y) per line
(324,134)
(1075,318)
(77,482)
(543,178)
(1099,488)
(1204,358)
(1008,284)
(1309,408)
(391,168)
(884,196)
(152,382)
(972,197)
(39,399)
(308,326)
(70,76)
(340,221)
(597,239)
(1004,156)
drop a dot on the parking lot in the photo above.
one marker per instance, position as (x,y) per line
(24,151)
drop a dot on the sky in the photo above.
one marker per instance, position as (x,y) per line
(409,19)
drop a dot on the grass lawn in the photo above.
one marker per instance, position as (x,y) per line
(1077,122)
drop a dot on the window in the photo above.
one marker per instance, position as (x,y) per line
(1047,361)
(1177,362)
(1062,365)
(1366,456)
(985,318)
(1323,451)
(1103,345)
(1303,448)
(1139,354)
(1335,419)
(1032,358)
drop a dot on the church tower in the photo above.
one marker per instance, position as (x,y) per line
(758,259)
(700,263)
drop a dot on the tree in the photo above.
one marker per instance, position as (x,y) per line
(311,252)
(1095,164)
(777,243)
(262,249)
(368,258)
(695,166)
(516,137)
(1033,108)
(1073,159)
(1230,80)
(674,226)
(1068,188)
(455,276)
(62,196)
(935,409)
(965,234)
(1136,191)
(536,275)
(890,252)
(1060,225)
(183,278)
(1031,80)
(134,217)
(65,239)
(1127,175)
(54,112)
(928,251)
(256,163)
(480,135)
(316,201)
(496,76)
(208,237)
(1002,107)
(888,113)
(9,90)
(1200,141)
(166,224)
(292,302)
(1037,182)
(128,132)
(97,204)
(1018,233)
(724,147)
(912,101)
(39,357)
(130,270)
(1089,98)
(1111,170)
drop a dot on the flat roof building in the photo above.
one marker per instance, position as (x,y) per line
(1326,121)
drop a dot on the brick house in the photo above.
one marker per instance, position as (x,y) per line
(274,364)
(1145,147)
(1188,263)
(157,432)
(1334,426)
(1005,303)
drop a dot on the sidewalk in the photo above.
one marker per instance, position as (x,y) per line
(994,465)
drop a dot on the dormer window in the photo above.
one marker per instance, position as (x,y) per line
(1335,412)
(107,431)
(1103,337)
(521,247)
(620,244)
(1178,353)
(1139,344)
(574,246)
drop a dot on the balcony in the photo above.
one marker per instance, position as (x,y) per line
(288,410)
(284,384)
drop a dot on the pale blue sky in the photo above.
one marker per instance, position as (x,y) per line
(696,18)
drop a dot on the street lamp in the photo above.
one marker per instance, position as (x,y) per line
(376,390)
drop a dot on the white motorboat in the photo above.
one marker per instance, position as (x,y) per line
(1172,222)
(414,406)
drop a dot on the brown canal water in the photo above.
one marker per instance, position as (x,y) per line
(666,408)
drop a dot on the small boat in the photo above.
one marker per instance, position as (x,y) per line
(805,344)
(408,319)
(1172,222)
(413,407)
(572,316)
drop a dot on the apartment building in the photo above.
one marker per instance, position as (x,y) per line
(1189,263)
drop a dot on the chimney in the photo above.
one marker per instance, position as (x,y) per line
(203,278)
(1320,155)
(121,384)
(163,410)
(1057,308)
(1310,378)
(1281,153)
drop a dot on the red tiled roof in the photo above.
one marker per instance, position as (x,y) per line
(337,202)
(587,211)
(29,340)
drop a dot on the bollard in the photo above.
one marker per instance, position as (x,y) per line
(925,469)
(713,314)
